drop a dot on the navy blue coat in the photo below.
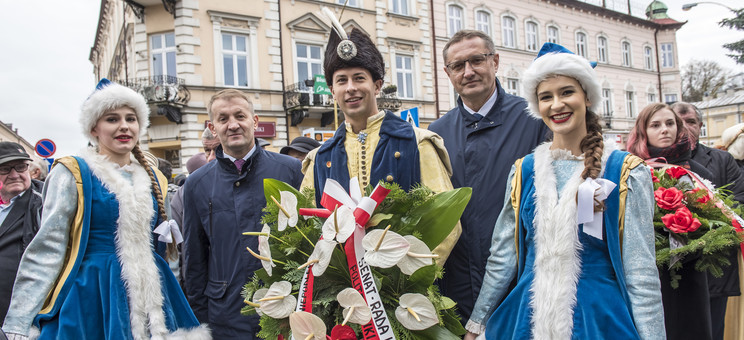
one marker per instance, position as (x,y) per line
(219,205)
(482,154)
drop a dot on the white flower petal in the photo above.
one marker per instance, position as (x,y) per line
(420,305)
(349,298)
(322,252)
(344,215)
(289,203)
(257,295)
(284,304)
(265,250)
(392,248)
(303,324)
(409,264)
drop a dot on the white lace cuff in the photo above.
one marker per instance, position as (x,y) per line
(474,327)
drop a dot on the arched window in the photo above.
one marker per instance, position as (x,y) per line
(625,49)
(483,21)
(554,35)
(581,44)
(454,19)
(602,49)
(530,33)
(508,32)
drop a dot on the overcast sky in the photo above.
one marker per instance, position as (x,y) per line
(45,74)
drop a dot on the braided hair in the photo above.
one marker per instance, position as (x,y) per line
(592,145)
(172,250)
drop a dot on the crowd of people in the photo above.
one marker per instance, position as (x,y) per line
(86,257)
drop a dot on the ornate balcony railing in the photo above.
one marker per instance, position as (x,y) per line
(169,94)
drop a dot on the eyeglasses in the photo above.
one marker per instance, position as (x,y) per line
(4,170)
(475,61)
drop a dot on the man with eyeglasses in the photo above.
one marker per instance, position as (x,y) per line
(484,135)
(19,215)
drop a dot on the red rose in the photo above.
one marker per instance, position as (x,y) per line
(681,221)
(669,199)
(705,197)
(653,176)
(676,172)
(344,332)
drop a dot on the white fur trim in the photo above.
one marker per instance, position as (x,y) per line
(108,98)
(133,239)
(201,332)
(557,247)
(559,64)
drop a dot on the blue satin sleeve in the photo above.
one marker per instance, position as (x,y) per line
(639,256)
(44,256)
(501,266)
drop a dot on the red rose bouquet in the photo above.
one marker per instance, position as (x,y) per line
(693,220)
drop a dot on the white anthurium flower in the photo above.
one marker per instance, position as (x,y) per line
(416,312)
(340,225)
(384,248)
(277,302)
(418,256)
(321,257)
(264,250)
(355,308)
(287,210)
(258,295)
(307,326)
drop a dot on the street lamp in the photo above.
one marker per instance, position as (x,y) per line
(687,7)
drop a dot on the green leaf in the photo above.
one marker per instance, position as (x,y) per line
(421,279)
(439,215)
(272,187)
(452,322)
(447,303)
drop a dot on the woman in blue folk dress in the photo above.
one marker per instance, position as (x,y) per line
(567,261)
(92,272)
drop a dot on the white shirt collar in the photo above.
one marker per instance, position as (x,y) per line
(486,106)
(245,158)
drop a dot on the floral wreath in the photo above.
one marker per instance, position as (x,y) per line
(337,268)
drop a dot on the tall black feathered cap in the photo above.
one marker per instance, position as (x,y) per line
(355,49)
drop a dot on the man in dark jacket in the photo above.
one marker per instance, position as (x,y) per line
(725,172)
(19,215)
(484,135)
(222,200)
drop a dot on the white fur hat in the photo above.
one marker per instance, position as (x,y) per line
(736,148)
(108,96)
(556,60)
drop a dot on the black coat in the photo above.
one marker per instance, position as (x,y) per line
(725,171)
(16,232)
(482,154)
(220,204)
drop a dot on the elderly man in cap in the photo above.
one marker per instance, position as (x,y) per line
(373,145)
(19,215)
(299,147)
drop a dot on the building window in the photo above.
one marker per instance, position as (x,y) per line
(704,130)
(602,49)
(530,32)
(404,75)
(581,44)
(667,55)
(670,98)
(400,7)
(651,98)
(483,22)
(508,26)
(235,59)
(629,104)
(351,3)
(553,35)
(648,58)
(454,17)
(309,62)
(625,47)
(512,86)
(163,51)
(607,102)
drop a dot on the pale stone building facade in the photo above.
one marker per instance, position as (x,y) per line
(636,56)
(719,114)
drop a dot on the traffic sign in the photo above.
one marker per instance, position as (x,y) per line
(411,116)
(45,148)
(320,86)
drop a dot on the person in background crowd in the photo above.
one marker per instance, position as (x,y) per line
(725,173)
(91,272)
(19,214)
(176,203)
(262,143)
(660,135)
(39,169)
(210,143)
(373,145)
(484,135)
(575,278)
(221,200)
(299,147)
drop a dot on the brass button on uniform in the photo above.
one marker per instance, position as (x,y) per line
(237,184)
(397,154)
(328,164)
(389,178)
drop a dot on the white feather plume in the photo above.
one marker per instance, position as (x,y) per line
(336,24)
